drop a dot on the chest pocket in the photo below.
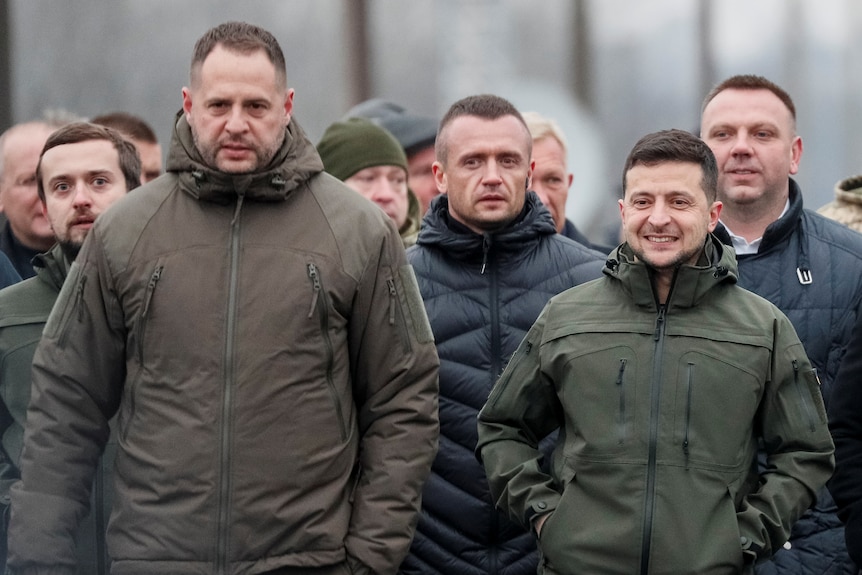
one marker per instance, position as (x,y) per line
(715,402)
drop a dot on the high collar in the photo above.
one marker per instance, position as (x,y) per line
(778,231)
(716,265)
(295,162)
(441,230)
(52,267)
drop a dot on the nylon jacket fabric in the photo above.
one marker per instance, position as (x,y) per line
(659,409)
(845,422)
(24,309)
(573,233)
(823,313)
(482,293)
(262,339)
(18,254)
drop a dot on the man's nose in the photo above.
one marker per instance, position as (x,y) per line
(236,122)
(659,214)
(492,174)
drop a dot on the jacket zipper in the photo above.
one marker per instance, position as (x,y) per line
(323,312)
(145,313)
(655,403)
(688,389)
(223,538)
(804,397)
(497,364)
(394,315)
(621,423)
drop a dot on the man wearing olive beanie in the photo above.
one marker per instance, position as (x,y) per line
(371,161)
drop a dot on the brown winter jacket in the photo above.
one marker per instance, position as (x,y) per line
(264,342)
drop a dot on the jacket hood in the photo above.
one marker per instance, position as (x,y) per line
(441,230)
(850,190)
(52,267)
(294,163)
(716,265)
(409,232)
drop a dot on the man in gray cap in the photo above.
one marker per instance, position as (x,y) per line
(415,133)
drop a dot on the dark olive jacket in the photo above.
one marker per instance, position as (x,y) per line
(660,409)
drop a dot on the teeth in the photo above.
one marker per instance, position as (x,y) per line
(660,240)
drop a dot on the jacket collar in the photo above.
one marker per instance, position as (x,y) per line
(294,163)
(717,265)
(52,267)
(778,231)
(441,230)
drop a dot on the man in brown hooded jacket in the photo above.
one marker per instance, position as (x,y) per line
(259,332)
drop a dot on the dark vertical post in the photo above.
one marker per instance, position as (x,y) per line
(706,61)
(583,56)
(356,32)
(5,67)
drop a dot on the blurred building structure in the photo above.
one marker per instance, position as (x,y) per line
(609,71)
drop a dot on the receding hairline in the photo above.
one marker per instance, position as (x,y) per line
(194,71)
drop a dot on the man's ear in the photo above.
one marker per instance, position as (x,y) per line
(187,101)
(440,177)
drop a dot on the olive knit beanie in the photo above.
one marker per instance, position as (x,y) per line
(351,145)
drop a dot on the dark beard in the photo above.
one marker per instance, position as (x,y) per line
(70,249)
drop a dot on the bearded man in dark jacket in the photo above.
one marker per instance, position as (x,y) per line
(810,267)
(488,259)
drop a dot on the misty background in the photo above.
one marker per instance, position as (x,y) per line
(609,71)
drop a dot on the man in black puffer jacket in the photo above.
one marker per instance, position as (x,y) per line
(807,265)
(488,259)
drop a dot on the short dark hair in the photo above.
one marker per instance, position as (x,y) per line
(129,125)
(751,82)
(675,146)
(486,106)
(130,161)
(243,38)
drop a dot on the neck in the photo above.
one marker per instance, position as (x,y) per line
(751,220)
(662,281)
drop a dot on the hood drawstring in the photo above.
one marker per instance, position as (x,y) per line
(199,177)
(486,247)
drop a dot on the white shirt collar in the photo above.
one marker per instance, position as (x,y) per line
(742,246)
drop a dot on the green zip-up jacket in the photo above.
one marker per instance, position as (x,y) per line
(262,340)
(24,309)
(660,410)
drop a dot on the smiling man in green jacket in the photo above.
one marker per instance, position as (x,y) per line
(662,377)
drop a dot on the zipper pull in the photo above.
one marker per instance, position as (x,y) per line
(659,323)
(392,295)
(315,282)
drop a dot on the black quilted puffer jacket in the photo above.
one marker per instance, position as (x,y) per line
(482,293)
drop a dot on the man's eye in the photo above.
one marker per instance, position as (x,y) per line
(100,182)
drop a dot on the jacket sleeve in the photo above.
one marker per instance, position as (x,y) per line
(798,447)
(845,422)
(394,366)
(521,410)
(77,376)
